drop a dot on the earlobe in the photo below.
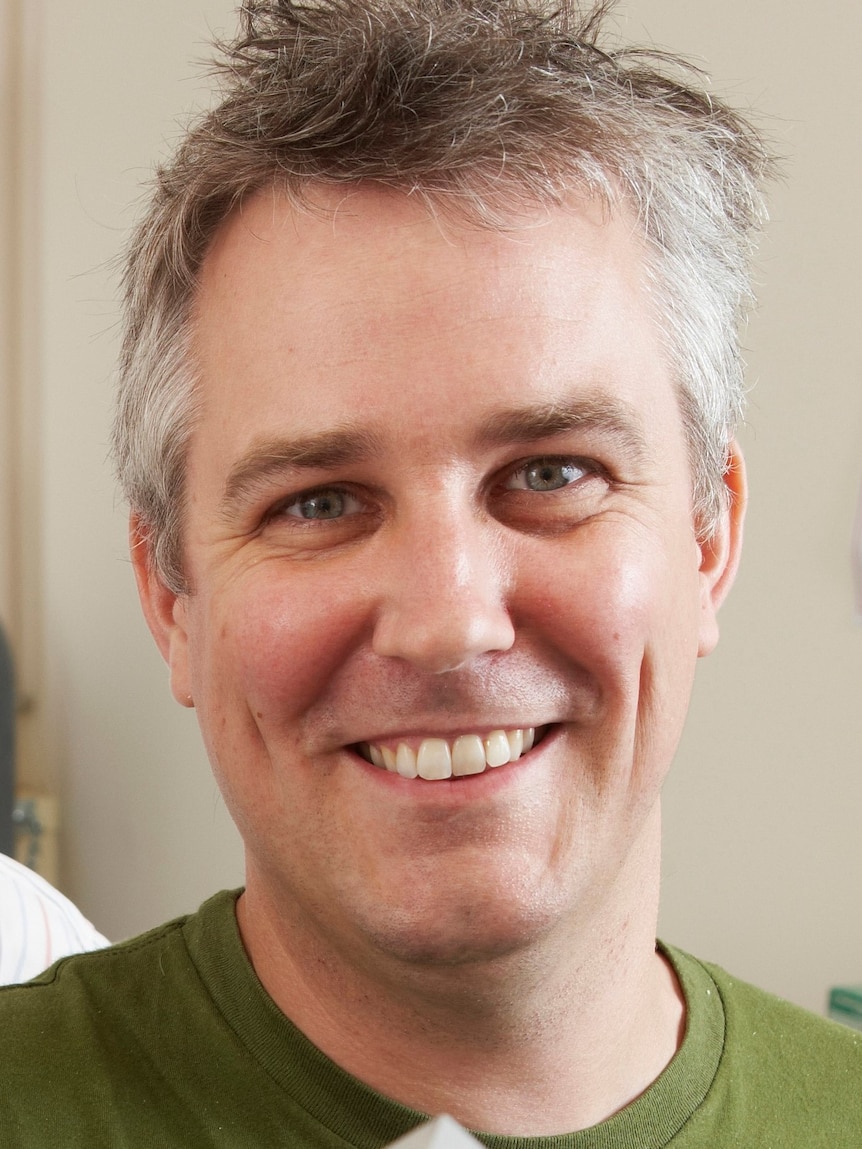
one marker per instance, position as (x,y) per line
(164,610)
(720,553)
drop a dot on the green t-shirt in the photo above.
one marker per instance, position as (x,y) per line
(170,1040)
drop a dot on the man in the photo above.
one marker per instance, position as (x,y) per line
(426,423)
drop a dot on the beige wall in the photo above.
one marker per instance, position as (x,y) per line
(20,396)
(764,862)
(145,833)
(8,204)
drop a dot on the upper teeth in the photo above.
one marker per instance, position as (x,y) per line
(438,758)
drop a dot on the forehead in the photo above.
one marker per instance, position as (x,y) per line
(368,298)
(384,239)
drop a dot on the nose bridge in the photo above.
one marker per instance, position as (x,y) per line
(446,597)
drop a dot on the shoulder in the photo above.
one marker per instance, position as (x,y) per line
(92,989)
(69,1033)
(80,982)
(94,1046)
(782,1072)
(105,1001)
(768,1026)
(86,997)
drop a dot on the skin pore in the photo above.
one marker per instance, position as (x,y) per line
(439,488)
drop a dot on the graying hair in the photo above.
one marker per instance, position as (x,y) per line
(482,107)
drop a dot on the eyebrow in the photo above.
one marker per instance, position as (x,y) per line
(604,414)
(344,446)
(264,460)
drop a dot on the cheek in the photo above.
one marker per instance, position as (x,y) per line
(663,603)
(627,612)
(615,606)
(271,644)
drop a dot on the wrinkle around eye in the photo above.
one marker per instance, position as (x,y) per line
(283,535)
(553,510)
(285,530)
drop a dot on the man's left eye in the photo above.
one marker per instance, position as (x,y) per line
(327,503)
(546,475)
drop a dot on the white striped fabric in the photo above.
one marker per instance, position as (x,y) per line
(37,924)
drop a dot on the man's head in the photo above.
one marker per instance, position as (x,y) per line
(440,400)
(482,111)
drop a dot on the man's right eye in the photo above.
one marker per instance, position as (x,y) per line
(320,505)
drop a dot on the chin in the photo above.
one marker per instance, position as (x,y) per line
(468,934)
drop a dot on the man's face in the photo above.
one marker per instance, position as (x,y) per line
(438,489)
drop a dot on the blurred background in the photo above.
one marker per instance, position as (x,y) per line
(763,863)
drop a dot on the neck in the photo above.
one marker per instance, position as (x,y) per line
(549,1039)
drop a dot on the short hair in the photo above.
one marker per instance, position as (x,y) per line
(482,107)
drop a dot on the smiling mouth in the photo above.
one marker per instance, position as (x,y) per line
(434,759)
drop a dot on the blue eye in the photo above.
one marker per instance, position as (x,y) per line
(328,503)
(546,475)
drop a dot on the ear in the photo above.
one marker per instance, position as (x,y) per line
(164,610)
(719,554)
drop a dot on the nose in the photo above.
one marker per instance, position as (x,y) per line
(445,600)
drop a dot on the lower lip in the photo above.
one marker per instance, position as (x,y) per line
(466,788)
